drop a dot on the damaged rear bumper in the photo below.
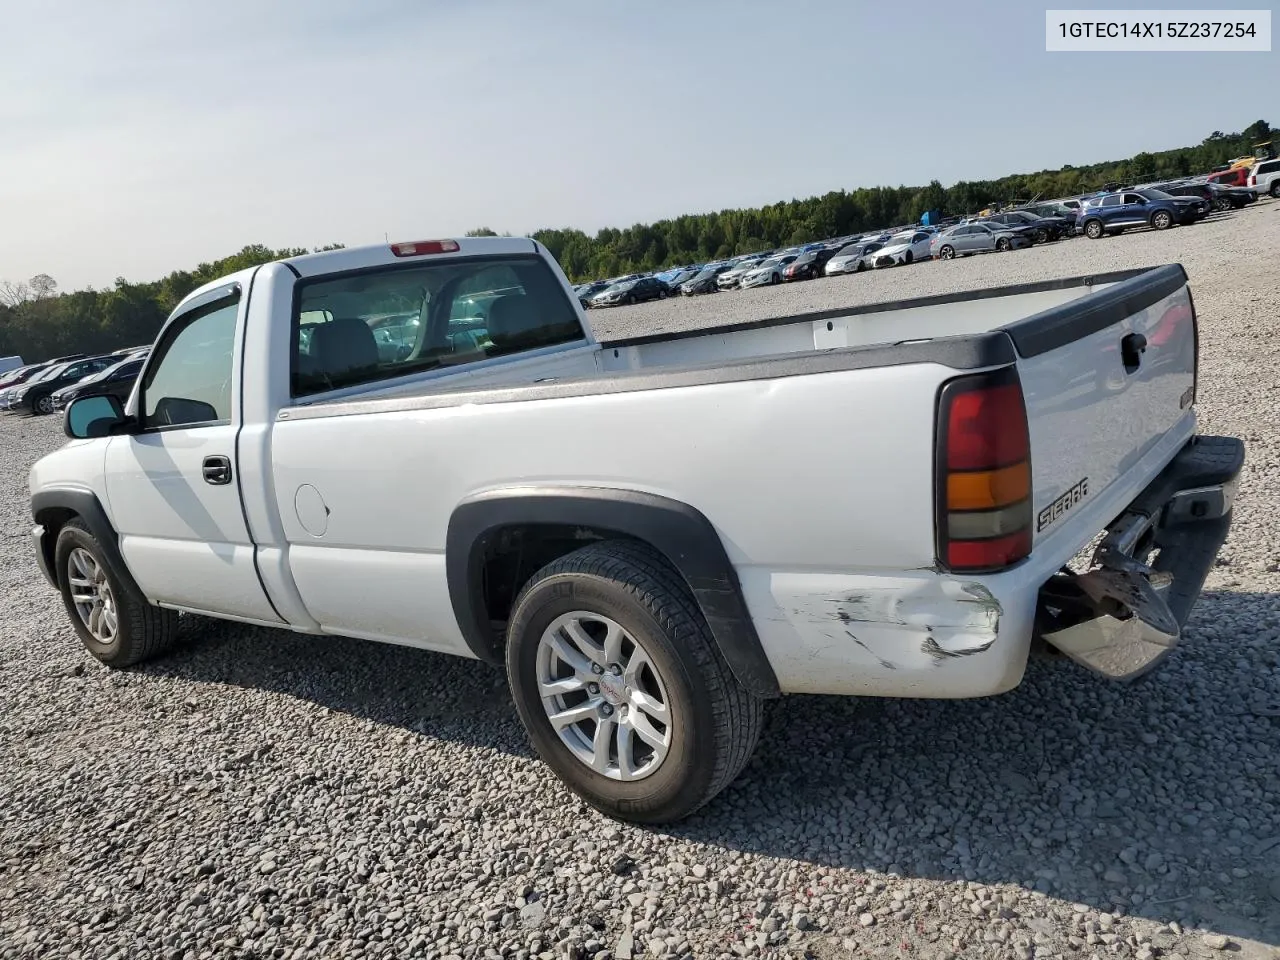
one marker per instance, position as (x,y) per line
(1124,615)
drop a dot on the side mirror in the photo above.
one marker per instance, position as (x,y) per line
(89,417)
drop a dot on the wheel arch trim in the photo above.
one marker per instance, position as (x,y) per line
(681,533)
(50,508)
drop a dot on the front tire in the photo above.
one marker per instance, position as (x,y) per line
(113,620)
(1003,245)
(1161,220)
(621,687)
(42,405)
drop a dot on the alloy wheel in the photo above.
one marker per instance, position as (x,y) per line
(91,595)
(603,696)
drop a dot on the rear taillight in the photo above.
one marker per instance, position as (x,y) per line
(983,473)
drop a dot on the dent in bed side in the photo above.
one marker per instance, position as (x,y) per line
(681,533)
(958,619)
(907,633)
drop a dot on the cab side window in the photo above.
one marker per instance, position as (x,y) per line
(188,382)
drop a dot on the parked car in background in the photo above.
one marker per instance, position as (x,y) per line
(1043,228)
(1218,197)
(852,259)
(1234,177)
(18,373)
(902,249)
(808,266)
(585,291)
(766,272)
(967,238)
(730,278)
(11,363)
(1055,209)
(631,291)
(705,281)
(679,279)
(16,379)
(36,396)
(1144,207)
(116,380)
(1265,177)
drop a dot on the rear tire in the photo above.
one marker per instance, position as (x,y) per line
(113,620)
(1275,188)
(1093,229)
(947,252)
(712,724)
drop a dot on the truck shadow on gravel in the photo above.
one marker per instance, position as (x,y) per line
(1159,798)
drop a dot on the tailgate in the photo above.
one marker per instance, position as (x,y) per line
(1105,378)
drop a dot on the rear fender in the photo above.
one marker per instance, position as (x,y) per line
(681,533)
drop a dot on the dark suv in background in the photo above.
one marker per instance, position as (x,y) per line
(116,380)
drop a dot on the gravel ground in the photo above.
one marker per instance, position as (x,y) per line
(261,794)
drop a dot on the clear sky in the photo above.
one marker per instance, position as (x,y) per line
(142,137)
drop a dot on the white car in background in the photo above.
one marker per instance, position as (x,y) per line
(730,278)
(905,247)
(851,259)
(770,271)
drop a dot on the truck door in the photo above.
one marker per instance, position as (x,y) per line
(173,486)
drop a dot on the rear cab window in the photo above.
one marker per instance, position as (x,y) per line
(392,321)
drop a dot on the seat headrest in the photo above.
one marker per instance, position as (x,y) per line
(511,317)
(343,345)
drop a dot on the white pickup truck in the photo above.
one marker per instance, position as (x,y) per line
(422,443)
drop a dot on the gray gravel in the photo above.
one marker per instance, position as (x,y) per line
(261,794)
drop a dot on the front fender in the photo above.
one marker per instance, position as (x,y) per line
(51,509)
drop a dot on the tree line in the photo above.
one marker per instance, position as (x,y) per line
(37,322)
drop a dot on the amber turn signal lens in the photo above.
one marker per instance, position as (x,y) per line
(987,489)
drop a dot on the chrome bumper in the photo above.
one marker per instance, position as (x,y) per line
(1125,614)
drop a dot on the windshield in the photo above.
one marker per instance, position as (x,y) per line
(621,287)
(103,373)
(54,371)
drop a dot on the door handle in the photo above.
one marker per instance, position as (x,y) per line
(217,470)
(1132,346)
